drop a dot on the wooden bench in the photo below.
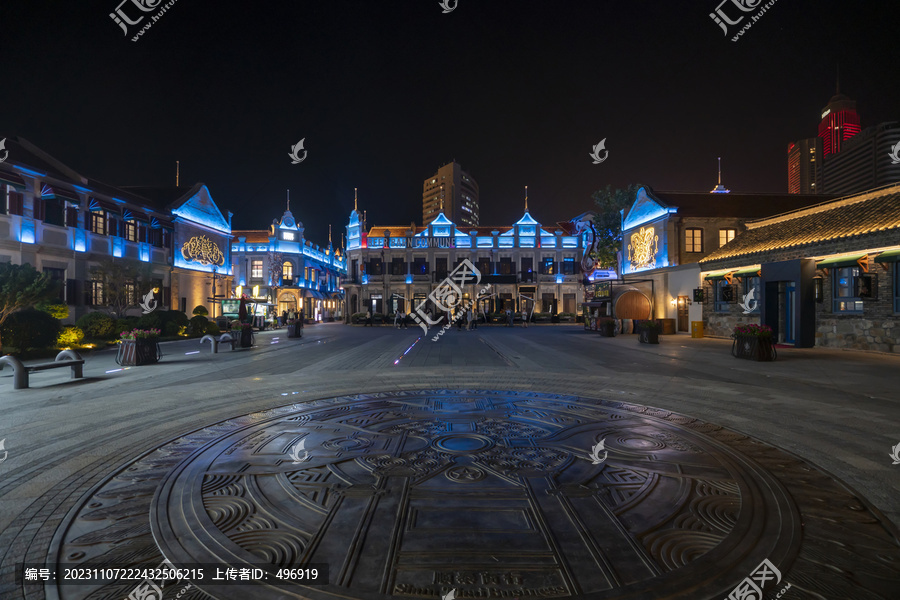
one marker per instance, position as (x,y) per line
(66,358)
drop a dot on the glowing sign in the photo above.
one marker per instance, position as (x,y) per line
(201,249)
(826,113)
(643,248)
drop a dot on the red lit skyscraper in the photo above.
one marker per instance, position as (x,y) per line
(840,122)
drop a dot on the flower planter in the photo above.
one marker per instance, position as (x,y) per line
(295,330)
(246,338)
(134,353)
(646,335)
(753,347)
(607,328)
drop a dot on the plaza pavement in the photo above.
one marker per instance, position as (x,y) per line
(836,409)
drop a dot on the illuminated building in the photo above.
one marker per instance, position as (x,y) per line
(528,266)
(453,192)
(805,166)
(864,163)
(826,275)
(288,270)
(665,234)
(65,224)
(839,123)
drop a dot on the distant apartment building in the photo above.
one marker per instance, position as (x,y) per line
(805,166)
(864,163)
(453,192)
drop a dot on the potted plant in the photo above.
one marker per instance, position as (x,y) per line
(246,335)
(648,332)
(753,342)
(138,347)
(295,328)
(607,327)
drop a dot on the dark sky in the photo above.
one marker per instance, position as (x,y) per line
(386,91)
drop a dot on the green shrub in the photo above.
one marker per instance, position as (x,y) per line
(358,318)
(174,316)
(198,325)
(57,311)
(200,311)
(97,325)
(151,321)
(212,328)
(124,324)
(30,328)
(70,336)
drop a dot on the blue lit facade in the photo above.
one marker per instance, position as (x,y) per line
(528,265)
(65,224)
(282,267)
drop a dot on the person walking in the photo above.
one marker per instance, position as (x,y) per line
(397,319)
(470,318)
(524,318)
(406,318)
(369,317)
(475,320)
(509,318)
(284,317)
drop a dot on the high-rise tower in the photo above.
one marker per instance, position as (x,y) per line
(455,191)
(840,122)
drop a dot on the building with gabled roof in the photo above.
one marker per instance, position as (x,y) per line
(825,275)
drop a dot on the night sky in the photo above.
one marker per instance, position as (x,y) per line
(386,91)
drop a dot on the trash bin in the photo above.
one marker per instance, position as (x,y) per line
(696,329)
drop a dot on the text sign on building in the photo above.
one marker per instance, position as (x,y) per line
(203,250)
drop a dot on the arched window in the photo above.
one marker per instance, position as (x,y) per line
(287,270)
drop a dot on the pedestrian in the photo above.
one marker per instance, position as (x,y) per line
(397,319)
(406,319)
(524,318)
(475,321)
(368,318)
(470,319)
(284,317)
(460,319)
(509,318)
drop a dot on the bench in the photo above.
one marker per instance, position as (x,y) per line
(214,343)
(66,358)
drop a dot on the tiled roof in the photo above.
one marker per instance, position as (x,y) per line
(254,236)
(856,215)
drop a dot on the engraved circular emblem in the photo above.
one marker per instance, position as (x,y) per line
(492,493)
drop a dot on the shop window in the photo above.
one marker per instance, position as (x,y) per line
(131,231)
(845,285)
(752,284)
(693,240)
(725,236)
(256,268)
(547,302)
(725,295)
(98,222)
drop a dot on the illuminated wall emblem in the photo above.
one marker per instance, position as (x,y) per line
(643,248)
(203,250)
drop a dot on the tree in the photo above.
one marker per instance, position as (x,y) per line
(21,287)
(608,222)
(276,268)
(125,282)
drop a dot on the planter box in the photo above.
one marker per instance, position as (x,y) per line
(295,330)
(668,326)
(246,338)
(134,353)
(648,336)
(753,347)
(608,329)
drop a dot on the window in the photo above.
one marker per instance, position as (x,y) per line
(131,231)
(693,240)
(398,266)
(484,265)
(725,236)
(548,266)
(506,266)
(569,266)
(725,295)
(54,212)
(287,271)
(98,222)
(129,291)
(58,276)
(15,202)
(97,298)
(844,290)
(288,235)
(256,268)
(420,266)
(547,302)
(752,284)
(440,267)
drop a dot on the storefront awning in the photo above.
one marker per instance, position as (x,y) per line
(13,179)
(889,256)
(749,272)
(718,275)
(843,261)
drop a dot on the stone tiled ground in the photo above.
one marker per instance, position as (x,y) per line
(839,410)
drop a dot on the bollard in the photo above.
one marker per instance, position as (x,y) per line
(226,337)
(77,372)
(20,375)
(213,343)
